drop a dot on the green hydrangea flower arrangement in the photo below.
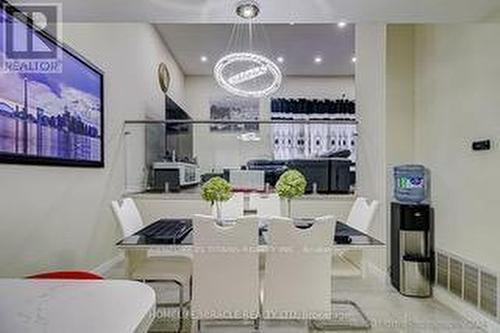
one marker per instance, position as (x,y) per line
(215,191)
(291,184)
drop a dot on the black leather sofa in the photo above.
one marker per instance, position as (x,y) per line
(331,175)
(315,171)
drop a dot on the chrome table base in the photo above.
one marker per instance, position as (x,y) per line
(333,325)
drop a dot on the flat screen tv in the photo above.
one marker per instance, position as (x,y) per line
(50,118)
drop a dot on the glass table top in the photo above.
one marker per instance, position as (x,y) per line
(154,234)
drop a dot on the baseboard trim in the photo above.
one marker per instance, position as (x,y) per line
(466,310)
(104,268)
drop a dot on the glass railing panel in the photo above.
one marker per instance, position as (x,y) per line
(179,155)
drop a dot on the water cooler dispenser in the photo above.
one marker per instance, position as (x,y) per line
(411,249)
(411,236)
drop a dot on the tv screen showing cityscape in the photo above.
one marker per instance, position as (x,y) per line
(49,117)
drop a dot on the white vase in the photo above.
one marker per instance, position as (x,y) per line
(218,211)
(289,207)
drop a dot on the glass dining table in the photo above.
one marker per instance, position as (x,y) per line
(177,234)
(173,236)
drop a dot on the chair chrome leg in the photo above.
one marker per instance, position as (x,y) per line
(256,324)
(331,325)
(180,304)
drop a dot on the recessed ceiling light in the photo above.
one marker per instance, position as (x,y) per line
(341,24)
(354,59)
(203,59)
(280,60)
(318,60)
(292,23)
(247,9)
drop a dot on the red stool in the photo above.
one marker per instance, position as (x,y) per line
(67,275)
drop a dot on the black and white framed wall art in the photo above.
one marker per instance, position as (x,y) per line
(233,108)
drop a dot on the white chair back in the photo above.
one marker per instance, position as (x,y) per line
(128,216)
(297,282)
(267,205)
(231,209)
(362,214)
(225,269)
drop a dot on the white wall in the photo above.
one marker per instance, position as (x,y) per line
(400,124)
(400,95)
(215,149)
(223,149)
(441,93)
(457,100)
(317,87)
(60,218)
(371,167)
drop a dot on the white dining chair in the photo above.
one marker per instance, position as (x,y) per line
(360,218)
(266,205)
(172,269)
(225,270)
(231,209)
(297,278)
(362,214)
(128,216)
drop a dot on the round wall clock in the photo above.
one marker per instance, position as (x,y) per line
(163,77)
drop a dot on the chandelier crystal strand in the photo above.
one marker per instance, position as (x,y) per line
(250,35)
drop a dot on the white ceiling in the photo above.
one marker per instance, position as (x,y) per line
(280,11)
(298,44)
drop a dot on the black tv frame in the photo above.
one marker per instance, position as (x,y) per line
(50,161)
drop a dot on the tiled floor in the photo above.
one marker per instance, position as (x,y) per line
(388,311)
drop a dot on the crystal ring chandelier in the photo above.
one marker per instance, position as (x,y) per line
(248,74)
